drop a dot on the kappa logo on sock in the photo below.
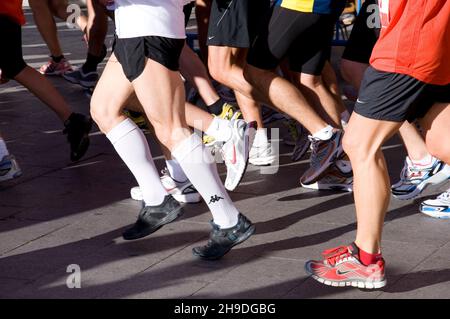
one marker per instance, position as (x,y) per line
(215,199)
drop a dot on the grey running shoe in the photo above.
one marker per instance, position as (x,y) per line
(222,240)
(152,218)
(323,154)
(9,169)
(333,179)
(302,144)
(86,80)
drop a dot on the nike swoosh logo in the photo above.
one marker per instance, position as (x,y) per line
(342,272)
(233,160)
(359,101)
(210,38)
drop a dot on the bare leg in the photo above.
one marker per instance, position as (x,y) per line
(435,125)
(97,27)
(353,72)
(45,91)
(330,79)
(316,92)
(45,22)
(194,71)
(226,66)
(414,143)
(362,142)
(202,13)
(285,96)
(111,93)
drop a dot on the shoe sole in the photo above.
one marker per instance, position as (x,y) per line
(187,199)
(249,232)
(84,84)
(434,213)
(439,178)
(60,73)
(71,80)
(249,138)
(337,153)
(10,176)
(262,162)
(173,215)
(356,284)
(330,187)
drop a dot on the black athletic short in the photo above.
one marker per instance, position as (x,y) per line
(364,34)
(304,38)
(397,97)
(235,23)
(132,53)
(11,57)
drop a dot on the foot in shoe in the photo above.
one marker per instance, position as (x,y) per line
(222,240)
(55,68)
(151,218)
(235,151)
(261,155)
(414,178)
(323,154)
(439,207)
(77,128)
(86,80)
(183,192)
(9,169)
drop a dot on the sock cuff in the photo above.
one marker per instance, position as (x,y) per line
(185,147)
(120,130)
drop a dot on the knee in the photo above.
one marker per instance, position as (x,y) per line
(102,114)
(251,74)
(217,72)
(357,149)
(311,81)
(438,149)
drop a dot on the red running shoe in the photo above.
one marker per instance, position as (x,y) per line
(341,267)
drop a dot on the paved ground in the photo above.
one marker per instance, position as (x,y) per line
(60,214)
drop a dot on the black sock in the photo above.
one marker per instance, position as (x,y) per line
(216,107)
(57,59)
(92,61)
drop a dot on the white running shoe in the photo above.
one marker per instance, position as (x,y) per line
(9,168)
(439,207)
(235,152)
(183,192)
(414,178)
(262,155)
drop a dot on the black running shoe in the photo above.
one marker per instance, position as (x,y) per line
(222,240)
(152,218)
(77,128)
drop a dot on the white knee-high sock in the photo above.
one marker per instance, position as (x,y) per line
(132,146)
(3,149)
(199,166)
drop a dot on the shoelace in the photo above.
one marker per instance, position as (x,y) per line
(314,145)
(408,171)
(334,255)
